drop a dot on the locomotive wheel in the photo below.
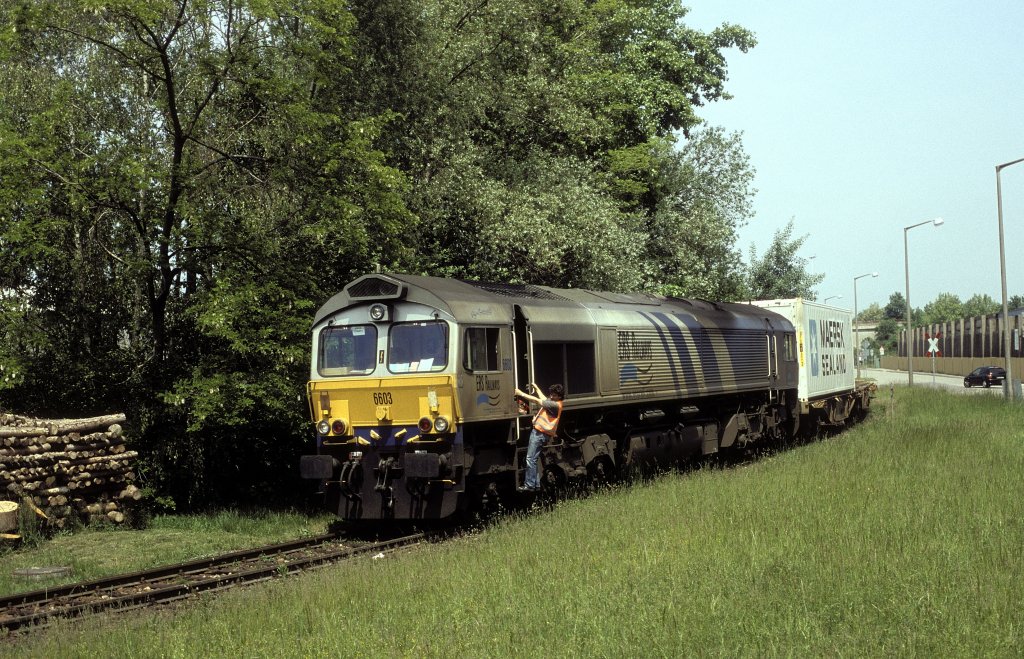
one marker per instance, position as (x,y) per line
(600,472)
(554,479)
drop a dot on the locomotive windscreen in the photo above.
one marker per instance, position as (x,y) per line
(347,350)
(418,347)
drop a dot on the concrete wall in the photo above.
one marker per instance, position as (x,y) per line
(978,337)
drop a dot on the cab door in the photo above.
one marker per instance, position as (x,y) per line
(522,364)
(522,346)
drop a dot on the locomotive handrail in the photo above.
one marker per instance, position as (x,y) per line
(418,439)
(775,354)
(354,440)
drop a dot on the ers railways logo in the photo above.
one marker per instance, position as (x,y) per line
(634,349)
(827,347)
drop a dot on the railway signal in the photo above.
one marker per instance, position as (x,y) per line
(934,350)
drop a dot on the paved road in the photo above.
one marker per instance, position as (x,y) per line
(886,377)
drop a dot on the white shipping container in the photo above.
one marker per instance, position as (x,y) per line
(824,336)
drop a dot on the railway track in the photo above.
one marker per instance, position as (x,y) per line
(170,583)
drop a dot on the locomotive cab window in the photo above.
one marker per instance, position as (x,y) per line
(418,347)
(348,350)
(481,349)
(789,347)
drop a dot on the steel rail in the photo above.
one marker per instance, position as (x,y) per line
(144,588)
(45,594)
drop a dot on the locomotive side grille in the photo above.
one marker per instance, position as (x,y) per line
(517,291)
(712,368)
(373,287)
(749,355)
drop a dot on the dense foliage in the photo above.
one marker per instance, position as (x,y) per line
(185,180)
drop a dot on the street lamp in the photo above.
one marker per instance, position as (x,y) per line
(832,297)
(906,268)
(1002,272)
(856,329)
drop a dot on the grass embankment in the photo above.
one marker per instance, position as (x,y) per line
(902,536)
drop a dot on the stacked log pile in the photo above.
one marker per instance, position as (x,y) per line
(67,469)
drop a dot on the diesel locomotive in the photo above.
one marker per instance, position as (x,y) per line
(412,385)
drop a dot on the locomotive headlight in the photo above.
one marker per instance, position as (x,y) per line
(425,425)
(339,426)
(441,424)
(378,312)
(323,427)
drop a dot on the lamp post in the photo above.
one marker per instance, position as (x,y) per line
(906,271)
(832,297)
(856,328)
(1002,272)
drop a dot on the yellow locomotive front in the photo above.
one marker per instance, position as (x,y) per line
(382,398)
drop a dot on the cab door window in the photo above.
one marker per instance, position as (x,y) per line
(481,349)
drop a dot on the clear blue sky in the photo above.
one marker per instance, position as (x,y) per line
(862,118)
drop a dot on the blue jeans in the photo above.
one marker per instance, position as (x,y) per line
(537,440)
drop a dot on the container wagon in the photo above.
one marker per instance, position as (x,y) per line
(828,391)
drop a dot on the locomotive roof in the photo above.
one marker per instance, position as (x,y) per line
(465,300)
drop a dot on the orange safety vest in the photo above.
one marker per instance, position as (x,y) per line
(543,422)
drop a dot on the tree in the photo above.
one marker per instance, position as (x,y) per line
(945,307)
(872,314)
(188,176)
(896,308)
(888,334)
(980,305)
(1015,302)
(781,273)
(705,194)
(500,104)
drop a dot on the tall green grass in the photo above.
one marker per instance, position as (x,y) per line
(902,536)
